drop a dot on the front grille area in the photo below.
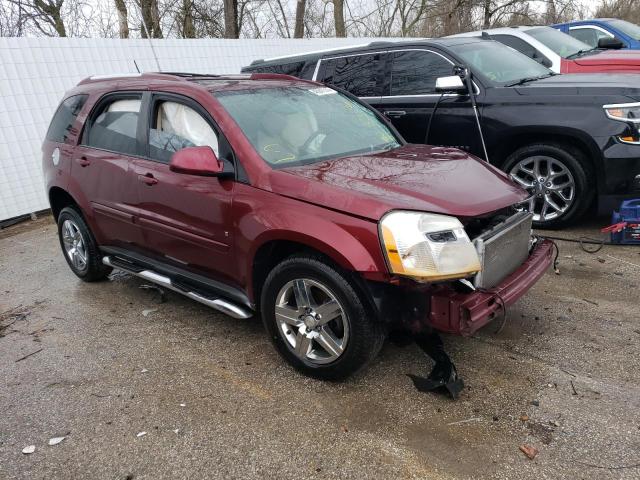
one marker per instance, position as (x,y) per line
(502,249)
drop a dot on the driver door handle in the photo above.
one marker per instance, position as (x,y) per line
(148,179)
(395,113)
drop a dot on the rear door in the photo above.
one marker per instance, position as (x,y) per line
(362,75)
(101,167)
(186,219)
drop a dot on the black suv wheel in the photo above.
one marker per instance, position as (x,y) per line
(79,246)
(556,178)
(317,321)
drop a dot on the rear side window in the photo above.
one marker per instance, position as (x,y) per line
(360,75)
(415,72)
(114,126)
(293,69)
(517,44)
(64,118)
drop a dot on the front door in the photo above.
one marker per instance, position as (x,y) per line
(186,219)
(410,101)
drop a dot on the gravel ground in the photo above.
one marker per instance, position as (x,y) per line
(216,401)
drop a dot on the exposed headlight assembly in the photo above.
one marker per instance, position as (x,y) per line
(427,247)
(628,113)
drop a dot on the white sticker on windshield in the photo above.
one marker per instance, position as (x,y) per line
(322,91)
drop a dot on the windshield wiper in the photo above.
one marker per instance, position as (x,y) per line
(579,53)
(524,80)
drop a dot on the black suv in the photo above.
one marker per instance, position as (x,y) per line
(566,138)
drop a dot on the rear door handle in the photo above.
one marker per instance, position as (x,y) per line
(84,161)
(395,113)
(148,179)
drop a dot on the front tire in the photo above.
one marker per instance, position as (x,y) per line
(79,246)
(557,177)
(316,319)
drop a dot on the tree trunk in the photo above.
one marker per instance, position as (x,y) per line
(123,22)
(338,18)
(298,31)
(231,19)
(150,19)
(487,14)
(188,30)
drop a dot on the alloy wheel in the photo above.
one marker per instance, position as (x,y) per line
(312,321)
(550,183)
(74,245)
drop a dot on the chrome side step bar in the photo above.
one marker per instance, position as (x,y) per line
(219,304)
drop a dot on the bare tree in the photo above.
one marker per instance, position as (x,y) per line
(338,18)
(150,19)
(123,18)
(231,28)
(44,15)
(298,31)
(623,9)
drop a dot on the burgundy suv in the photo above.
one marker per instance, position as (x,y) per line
(269,194)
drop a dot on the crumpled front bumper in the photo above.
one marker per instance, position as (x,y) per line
(464,313)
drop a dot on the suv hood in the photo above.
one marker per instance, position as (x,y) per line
(413,177)
(625,58)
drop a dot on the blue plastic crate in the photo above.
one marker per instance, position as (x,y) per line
(630,214)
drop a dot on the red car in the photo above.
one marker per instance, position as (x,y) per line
(269,195)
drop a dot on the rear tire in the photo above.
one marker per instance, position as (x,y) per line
(79,246)
(321,326)
(543,170)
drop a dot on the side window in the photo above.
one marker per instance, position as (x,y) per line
(64,118)
(590,36)
(114,126)
(293,69)
(175,126)
(360,75)
(415,72)
(517,44)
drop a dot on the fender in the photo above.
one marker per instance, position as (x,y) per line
(351,242)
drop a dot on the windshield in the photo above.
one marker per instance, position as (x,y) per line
(627,28)
(561,43)
(498,63)
(298,125)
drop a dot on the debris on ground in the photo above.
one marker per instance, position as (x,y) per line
(529,451)
(141,434)
(535,403)
(148,311)
(29,450)
(12,316)
(524,418)
(162,296)
(55,440)
(144,370)
(28,355)
(444,376)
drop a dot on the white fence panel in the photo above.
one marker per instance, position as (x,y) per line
(35,73)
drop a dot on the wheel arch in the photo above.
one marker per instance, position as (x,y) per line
(277,246)
(59,198)
(568,137)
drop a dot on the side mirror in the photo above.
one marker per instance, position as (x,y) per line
(610,43)
(200,161)
(450,84)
